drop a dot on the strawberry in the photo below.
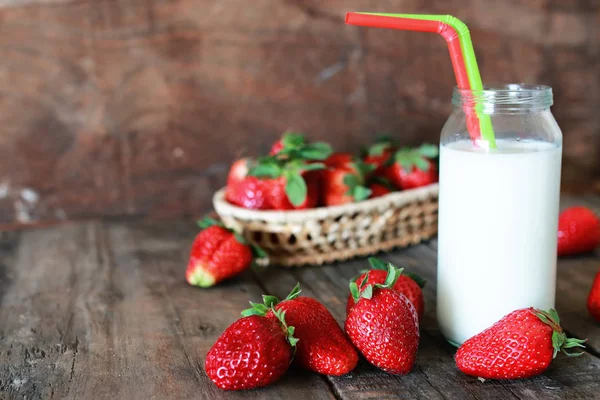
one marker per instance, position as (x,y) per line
(578,231)
(520,345)
(276,148)
(408,284)
(380,154)
(413,168)
(345,183)
(238,171)
(339,160)
(253,352)
(378,190)
(384,325)
(218,254)
(593,301)
(322,347)
(250,193)
(294,146)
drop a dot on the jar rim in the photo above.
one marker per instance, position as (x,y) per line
(507,88)
(507,96)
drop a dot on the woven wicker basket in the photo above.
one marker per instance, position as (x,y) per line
(329,234)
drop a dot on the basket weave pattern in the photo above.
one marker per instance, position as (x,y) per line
(329,234)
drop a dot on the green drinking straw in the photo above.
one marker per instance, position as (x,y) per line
(487,130)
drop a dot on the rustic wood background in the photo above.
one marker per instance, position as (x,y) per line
(136,107)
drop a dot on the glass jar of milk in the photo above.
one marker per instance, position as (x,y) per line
(498,209)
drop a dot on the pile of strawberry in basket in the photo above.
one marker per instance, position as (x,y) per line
(298,174)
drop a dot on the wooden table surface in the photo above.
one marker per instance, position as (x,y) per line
(102,310)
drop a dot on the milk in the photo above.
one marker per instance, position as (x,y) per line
(498,221)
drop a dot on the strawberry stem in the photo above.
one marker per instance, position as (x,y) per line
(560,341)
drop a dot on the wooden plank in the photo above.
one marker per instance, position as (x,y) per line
(102,310)
(435,375)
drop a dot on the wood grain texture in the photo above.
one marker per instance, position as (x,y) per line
(137,107)
(102,311)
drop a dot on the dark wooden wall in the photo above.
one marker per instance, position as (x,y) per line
(136,107)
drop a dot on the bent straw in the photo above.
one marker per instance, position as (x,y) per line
(470,61)
(445,30)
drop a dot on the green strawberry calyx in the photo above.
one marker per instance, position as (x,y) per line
(296,147)
(377,263)
(356,182)
(273,167)
(416,157)
(382,144)
(268,304)
(560,341)
(257,251)
(364,290)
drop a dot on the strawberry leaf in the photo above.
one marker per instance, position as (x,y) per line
(421,164)
(420,281)
(270,301)
(557,342)
(207,222)
(364,280)
(296,189)
(258,251)
(354,291)
(361,193)
(292,139)
(391,277)
(378,148)
(377,263)
(380,180)
(240,238)
(554,315)
(316,151)
(363,169)
(255,309)
(351,181)
(295,292)
(289,330)
(265,170)
(428,150)
(313,167)
(251,311)
(367,292)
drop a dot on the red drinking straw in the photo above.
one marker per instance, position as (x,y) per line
(420,25)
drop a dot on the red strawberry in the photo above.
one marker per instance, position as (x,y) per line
(413,168)
(339,160)
(345,183)
(276,148)
(322,347)
(250,193)
(593,301)
(217,254)
(520,345)
(253,352)
(238,171)
(286,184)
(278,199)
(578,231)
(380,154)
(378,190)
(408,284)
(384,325)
